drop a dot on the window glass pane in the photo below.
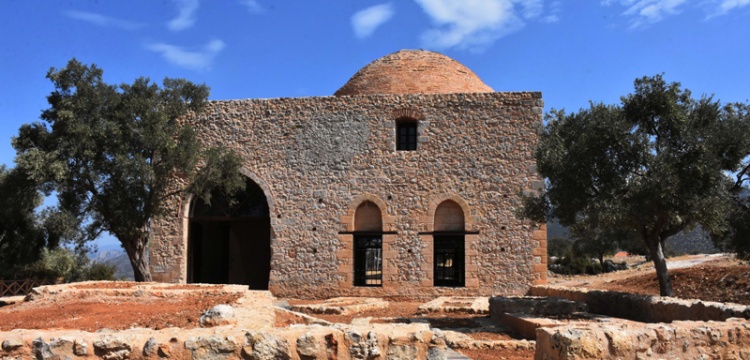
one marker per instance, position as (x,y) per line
(406,135)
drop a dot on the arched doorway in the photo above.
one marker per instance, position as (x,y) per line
(229,240)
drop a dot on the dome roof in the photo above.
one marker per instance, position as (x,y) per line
(413,72)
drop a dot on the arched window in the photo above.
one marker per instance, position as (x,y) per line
(448,240)
(368,245)
(406,134)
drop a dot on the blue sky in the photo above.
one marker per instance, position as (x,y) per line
(571,50)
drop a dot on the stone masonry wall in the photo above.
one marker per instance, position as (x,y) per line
(318,158)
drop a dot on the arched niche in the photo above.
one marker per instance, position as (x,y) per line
(368,218)
(449,216)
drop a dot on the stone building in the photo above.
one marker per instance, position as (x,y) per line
(404,182)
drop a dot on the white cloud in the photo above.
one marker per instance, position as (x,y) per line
(366,21)
(186,10)
(252,6)
(102,20)
(651,11)
(729,5)
(645,12)
(475,24)
(551,19)
(194,60)
(531,8)
(553,15)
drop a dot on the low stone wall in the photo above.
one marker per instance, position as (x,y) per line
(414,341)
(679,340)
(533,305)
(524,314)
(644,308)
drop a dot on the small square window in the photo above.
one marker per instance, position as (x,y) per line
(406,135)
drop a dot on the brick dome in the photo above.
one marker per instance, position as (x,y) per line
(413,72)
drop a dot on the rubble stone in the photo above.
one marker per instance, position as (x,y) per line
(11,344)
(217,316)
(317,159)
(263,346)
(80,347)
(627,340)
(211,347)
(109,347)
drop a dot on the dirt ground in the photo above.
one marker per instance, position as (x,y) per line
(116,313)
(710,278)
(705,282)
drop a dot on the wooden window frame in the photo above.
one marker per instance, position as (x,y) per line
(407,133)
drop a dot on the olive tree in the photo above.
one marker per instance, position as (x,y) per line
(111,153)
(656,164)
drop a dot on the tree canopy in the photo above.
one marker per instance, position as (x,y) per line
(656,164)
(114,153)
(21,236)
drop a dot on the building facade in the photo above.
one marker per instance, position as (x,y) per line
(404,183)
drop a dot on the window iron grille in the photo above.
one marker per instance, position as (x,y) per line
(449,260)
(368,260)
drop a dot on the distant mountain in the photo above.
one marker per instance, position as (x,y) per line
(695,241)
(117,258)
(555,230)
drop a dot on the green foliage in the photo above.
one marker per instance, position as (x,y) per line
(112,154)
(66,264)
(593,240)
(559,247)
(21,236)
(534,208)
(736,236)
(573,262)
(100,271)
(654,165)
(24,232)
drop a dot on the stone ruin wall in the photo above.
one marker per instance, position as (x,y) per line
(318,158)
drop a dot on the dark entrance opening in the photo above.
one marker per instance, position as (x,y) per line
(449,260)
(368,259)
(229,240)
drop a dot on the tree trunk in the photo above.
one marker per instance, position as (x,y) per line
(136,250)
(660,263)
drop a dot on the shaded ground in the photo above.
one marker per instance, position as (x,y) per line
(116,313)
